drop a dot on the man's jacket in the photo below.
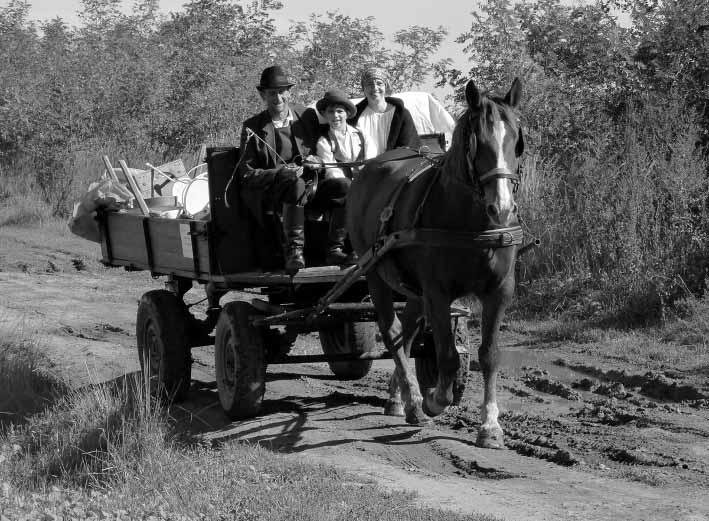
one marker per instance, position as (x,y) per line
(259,164)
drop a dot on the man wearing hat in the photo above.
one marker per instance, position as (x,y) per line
(342,143)
(273,143)
(383,119)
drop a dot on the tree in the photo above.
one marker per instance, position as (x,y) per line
(20,75)
(332,49)
(410,65)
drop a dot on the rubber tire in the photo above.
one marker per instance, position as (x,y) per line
(162,338)
(350,337)
(239,361)
(427,375)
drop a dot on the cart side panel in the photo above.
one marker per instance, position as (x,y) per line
(179,246)
(125,232)
(166,246)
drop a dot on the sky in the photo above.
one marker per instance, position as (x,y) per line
(390,16)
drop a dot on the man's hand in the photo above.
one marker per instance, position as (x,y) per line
(291,170)
(313,161)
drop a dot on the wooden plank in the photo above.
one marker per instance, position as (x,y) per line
(174,247)
(315,275)
(125,232)
(134,188)
(110,170)
(164,237)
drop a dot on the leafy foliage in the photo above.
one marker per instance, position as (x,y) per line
(151,87)
(614,181)
(616,114)
(333,49)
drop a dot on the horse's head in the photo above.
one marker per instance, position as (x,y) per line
(493,149)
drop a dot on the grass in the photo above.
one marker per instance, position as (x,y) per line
(109,451)
(678,343)
(27,384)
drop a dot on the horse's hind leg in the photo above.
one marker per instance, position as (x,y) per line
(490,434)
(410,324)
(393,338)
(447,358)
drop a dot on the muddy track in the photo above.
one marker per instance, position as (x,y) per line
(584,441)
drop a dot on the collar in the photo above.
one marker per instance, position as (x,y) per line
(284,122)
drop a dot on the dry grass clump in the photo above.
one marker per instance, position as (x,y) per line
(27,384)
(21,202)
(91,437)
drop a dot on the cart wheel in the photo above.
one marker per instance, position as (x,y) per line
(240,361)
(163,344)
(350,337)
(427,372)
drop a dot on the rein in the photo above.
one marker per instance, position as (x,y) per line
(420,153)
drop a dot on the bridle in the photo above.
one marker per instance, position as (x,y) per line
(480,180)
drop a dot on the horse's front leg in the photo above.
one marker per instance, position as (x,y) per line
(447,358)
(491,435)
(410,324)
(393,338)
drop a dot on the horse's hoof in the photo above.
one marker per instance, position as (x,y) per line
(490,439)
(394,408)
(416,416)
(431,406)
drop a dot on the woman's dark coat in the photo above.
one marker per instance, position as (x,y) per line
(402,132)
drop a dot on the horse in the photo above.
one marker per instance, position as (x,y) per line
(453,209)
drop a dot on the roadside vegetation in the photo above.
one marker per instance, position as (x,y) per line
(109,452)
(615,117)
(616,120)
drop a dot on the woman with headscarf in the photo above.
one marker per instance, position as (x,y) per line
(384,120)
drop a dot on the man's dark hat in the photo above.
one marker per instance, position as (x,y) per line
(274,77)
(336,97)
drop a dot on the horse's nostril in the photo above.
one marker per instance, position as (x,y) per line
(492,210)
(514,209)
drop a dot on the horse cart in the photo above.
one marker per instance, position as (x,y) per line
(230,251)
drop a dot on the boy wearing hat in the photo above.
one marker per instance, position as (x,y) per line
(342,143)
(273,143)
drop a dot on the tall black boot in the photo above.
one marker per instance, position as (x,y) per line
(336,239)
(294,229)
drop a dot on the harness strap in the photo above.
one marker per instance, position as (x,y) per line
(388,211)
(437,238)
(504,173)
(419,208)
(429,237)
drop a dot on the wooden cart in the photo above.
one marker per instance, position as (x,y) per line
(232,252)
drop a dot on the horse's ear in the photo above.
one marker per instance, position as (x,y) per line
(519,147)
(514,96)
(472,95)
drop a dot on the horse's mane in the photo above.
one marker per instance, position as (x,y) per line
(455,162)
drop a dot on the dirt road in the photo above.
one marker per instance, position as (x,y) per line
(588,438)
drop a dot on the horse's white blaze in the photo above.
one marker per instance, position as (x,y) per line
(504,195)
(489,413)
